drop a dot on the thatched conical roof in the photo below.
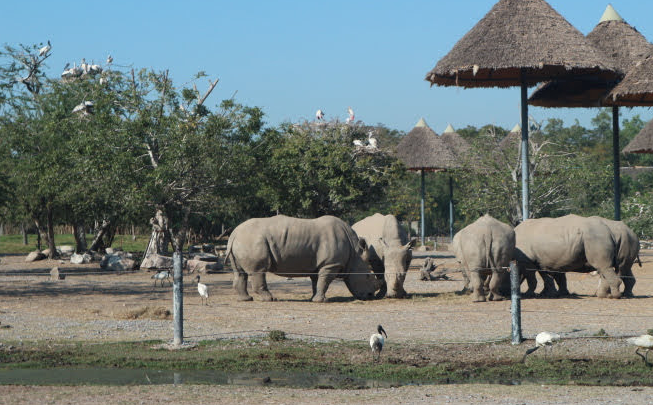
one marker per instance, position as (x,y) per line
(456,143)
(519,41)
(423,149)
(643,142)
(636,89)
(512,139)
(622,47)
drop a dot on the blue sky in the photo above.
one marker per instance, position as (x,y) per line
(292,57)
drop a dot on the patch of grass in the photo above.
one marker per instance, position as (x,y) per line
(14,243)
(277,335)
(402,365)
(147,312)
(601,332)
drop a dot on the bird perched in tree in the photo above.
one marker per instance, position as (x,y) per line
(161,276)
(84,108)
(358,143)
(642,342)
(319,115)
(377,341)
(543,339)
(371,140)
(351,115)
(109,60)
(43,51)
(203,290)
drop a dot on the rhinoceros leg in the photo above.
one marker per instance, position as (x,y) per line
(561,281)
(549,290)
(240,285)
(260,286)
(496,282)
(324,277)
(603,289)
(477,281)
(628,279)
(313,284)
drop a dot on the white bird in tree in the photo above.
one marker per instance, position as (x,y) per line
(371,140)
(43,51)
(84,108)
(109,60)
(358,143)
(351,115)
(642,342)
(319,115)
(203,290)
(543,339)
(377,341)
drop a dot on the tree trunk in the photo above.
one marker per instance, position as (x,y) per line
(79,231)
(98,243)
(50,235)
(160,238)
(23,231)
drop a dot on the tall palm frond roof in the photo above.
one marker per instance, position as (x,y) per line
(519,41)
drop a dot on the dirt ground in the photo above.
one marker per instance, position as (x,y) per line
(92,305)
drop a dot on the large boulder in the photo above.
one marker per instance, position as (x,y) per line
(118,261)
(84,258)
(156,261)
(201,266)
(34,256)
(66,250)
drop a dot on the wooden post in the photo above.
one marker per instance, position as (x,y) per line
(524,152)
(422,211)
(451,207)
(515,303)
(615,163)
(178,298)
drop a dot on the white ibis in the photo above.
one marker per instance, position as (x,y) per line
(371,140)
(85,108)
(351,115)
(43,51)
(109,60)
(161,276)
(203,290)
(358,143)
(543,339)
(319,115)
(377,341)
(642,342)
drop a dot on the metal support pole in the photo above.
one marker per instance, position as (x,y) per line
(524,152)
(451,207)
(616,164)
(178,298)
(515,303)
(422,211)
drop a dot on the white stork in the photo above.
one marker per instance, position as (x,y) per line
(358,143)
(43,51)
(377,341)
(543,339)
(319,115)
(203,290)
(371,140)
(642,342)
(351,115)
(109,60)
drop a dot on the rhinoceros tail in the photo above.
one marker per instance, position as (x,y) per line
(229,255)
(489,257)
(639,261)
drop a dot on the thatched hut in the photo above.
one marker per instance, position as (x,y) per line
(424,151)
(519,43)
(458,145)
(643,142)
(622,46)
(636,89)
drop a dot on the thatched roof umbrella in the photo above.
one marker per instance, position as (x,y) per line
(461,149)
(643,142)
(623,46)
(519,43)
(636,89)
(424,151)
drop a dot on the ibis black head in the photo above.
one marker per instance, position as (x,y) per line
(381,330)
(197,279)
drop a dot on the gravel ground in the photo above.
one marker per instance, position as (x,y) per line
(101,306)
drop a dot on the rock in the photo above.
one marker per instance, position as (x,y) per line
(201,266)
(55,275)
(66,250)
(110,251)
(117,262)
(34,256)
(205,257)
(85,258)
(155,261)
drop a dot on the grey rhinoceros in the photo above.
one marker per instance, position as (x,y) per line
(569,243)
(322,249)
(627,252)
(389,251)
(485,248)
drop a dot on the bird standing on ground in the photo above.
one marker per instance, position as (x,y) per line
(319,115)
(161,276)
(203,290)
(43,51)
(543,339)
(377,341)
(642,342)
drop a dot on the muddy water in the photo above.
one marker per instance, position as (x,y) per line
(110,376)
